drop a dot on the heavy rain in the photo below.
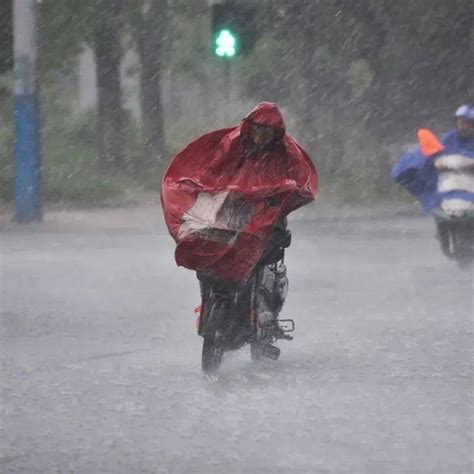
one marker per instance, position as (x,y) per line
(236,236)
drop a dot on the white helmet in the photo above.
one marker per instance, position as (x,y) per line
(466,111)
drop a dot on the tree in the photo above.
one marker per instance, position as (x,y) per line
(6,36)
(373,20)
(359,73)
(150,18)
(67,25)
(108,55)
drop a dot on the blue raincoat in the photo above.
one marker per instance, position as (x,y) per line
(417,173)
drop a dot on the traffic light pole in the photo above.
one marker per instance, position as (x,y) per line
(227,90)
(26,104)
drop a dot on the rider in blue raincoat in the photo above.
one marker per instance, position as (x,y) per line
(416,170)
(461,139)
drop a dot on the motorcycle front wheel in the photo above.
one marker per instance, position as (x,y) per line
(212,352)
(256,351)
(212,346)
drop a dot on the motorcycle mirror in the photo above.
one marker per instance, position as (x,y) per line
(429,143)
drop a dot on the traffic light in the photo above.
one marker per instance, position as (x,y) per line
(233,28)
(226,44)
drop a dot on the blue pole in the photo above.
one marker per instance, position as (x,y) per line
(26,105)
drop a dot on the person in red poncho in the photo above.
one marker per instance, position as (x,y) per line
(227,194)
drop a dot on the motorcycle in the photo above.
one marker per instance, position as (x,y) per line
(231,316)
(443,180)
(455,216)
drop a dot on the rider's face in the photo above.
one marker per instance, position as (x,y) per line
(465,127)
(261,134)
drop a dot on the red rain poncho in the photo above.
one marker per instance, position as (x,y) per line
(220,202)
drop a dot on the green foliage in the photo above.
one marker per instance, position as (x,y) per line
(360,78)
(70,170)
(80,189)
(6,36)
(65,26)
(258,69)
(352,78)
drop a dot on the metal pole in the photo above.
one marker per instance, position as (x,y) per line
(227,91)
(26,104)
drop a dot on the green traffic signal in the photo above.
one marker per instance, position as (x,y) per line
(225,44)
(235,27)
